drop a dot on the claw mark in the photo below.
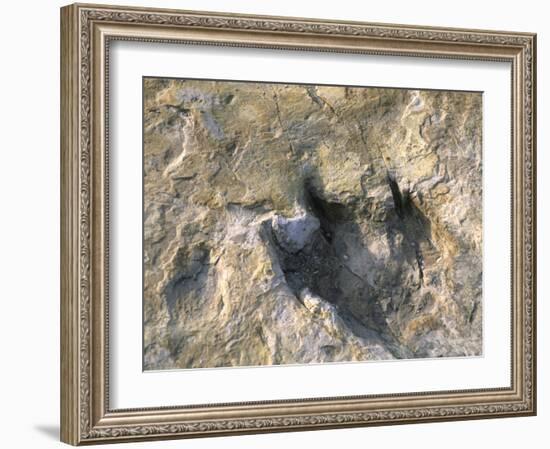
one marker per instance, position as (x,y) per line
(412,225)
(396,195)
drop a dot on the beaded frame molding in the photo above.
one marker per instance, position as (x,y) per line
(86,33)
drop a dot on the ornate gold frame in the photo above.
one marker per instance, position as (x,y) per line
(86,31)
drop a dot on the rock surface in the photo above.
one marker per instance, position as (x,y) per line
(307,224)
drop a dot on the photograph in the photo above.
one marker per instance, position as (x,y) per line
(294,224)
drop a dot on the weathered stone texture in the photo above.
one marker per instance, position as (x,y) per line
(307,224)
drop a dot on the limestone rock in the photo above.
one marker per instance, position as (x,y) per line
(292,234)
(290,224)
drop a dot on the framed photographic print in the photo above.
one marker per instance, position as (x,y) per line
(280,224)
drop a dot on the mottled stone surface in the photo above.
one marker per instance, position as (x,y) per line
(306,224)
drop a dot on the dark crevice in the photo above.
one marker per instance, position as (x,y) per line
(326,212)
(473,313)
(413,225)
(398,198)
(420,263)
